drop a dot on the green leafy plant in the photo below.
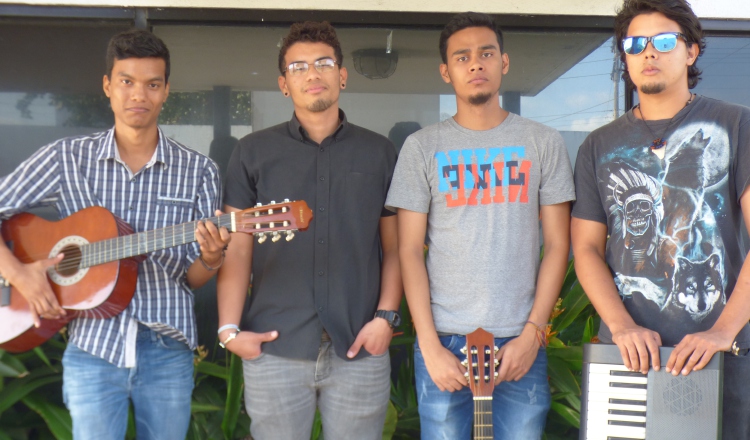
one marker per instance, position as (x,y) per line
(573,323)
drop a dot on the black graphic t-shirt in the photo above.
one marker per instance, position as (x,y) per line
(673,216)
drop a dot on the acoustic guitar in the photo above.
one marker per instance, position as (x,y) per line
(481,366)
(97,276)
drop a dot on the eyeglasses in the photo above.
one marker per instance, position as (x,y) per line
(665,42)
(300,67)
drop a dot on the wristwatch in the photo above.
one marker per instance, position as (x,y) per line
(392,316)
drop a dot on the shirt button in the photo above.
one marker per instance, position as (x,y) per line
(133,179)
(320,309)
(320,273)
(321,209)
(131,208)
(322,150)
(322,178)
(321,241)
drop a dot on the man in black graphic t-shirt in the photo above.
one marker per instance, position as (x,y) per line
(667,183)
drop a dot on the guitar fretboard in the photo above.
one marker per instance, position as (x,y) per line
(483,419)
(144,242)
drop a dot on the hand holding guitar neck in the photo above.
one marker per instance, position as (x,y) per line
(212,241)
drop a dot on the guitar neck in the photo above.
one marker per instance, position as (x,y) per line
(132,245)
(483,418)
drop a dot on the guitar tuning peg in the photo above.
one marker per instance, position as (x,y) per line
(486,351)
(486,365)
(465,363)
(497,362)
(258,205)
(466,375)
(463,350)
(273,202)
(276,237)
(486,378)
(496,374)
(496,349)
(289,235)
(262,237)
(286,200)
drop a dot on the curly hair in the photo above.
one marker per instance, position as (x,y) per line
(136,43)
(678,11)
(310,32)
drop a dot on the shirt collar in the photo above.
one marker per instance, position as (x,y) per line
(299,133)
(108,148)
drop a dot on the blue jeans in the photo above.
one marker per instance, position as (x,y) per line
(160,386)
(519,409)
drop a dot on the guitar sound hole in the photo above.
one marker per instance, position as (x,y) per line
(71,261)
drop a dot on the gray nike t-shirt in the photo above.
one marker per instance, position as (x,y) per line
(482,191)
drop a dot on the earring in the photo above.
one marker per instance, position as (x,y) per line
(343,85)
(286,93)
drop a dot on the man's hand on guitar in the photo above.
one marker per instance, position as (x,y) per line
(212,241)
(635,344)
(31,280)
(696,350)
(444,368)
(375,337)
(517,356)
(247,345)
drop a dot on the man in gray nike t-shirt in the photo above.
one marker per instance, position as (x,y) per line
(474,186)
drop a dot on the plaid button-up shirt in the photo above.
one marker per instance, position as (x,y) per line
(177,185)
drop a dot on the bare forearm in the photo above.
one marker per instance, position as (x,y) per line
(198,275)
(391,285)
(549,281)
(737,311)
(234,277)
(9,264)
(417,291)
(596,280)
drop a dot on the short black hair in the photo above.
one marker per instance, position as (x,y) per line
(465,20)
(311,32)
(136,43)
(678,11)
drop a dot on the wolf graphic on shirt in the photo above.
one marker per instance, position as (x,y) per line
(663,214)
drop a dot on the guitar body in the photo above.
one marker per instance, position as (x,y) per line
(100,291)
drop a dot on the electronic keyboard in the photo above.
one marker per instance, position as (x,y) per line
(619,404)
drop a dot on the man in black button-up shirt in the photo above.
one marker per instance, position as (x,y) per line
(314,299)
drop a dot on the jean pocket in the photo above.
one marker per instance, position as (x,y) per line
(170,343)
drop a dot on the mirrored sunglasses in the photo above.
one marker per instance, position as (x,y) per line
(665,42)
(301,67)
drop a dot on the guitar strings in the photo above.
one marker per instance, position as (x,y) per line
(106,249)
(114,249)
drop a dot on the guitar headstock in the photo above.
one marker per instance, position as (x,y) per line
(480,362)
(274,219)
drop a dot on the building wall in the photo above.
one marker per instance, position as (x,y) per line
(708,9)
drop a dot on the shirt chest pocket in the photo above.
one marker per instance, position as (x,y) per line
(174,210)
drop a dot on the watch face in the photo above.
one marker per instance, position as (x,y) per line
(396,320)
